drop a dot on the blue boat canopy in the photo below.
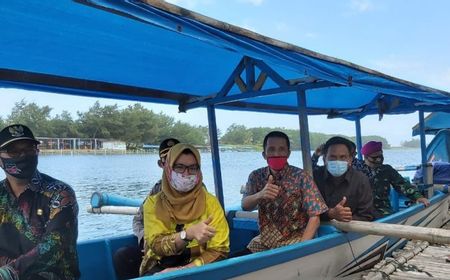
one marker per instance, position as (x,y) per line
(434,122)
(153,51)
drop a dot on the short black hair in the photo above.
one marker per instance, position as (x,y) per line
(277,134)
(339,140)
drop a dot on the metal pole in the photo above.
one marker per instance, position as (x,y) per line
(423,144)
(215,153)
(304,131)
(358,137)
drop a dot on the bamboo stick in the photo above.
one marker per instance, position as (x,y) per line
(432,235)
(124,210)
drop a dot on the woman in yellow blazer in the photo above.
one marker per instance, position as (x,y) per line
(184,225)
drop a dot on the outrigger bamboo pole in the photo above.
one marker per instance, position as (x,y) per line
(432,235)
(124,210)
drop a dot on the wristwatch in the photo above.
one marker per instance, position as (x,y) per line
(183,236)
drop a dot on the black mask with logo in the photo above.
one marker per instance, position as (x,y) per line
(22,167)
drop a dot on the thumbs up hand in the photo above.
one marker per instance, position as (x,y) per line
(202,232)
(270,190)
(340,212)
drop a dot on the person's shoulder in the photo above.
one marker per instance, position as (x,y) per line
(258,171)
(52,185)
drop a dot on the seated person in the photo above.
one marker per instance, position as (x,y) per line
(38,214)
(128,259)
(357,164)
(184,225)
(346,191)
(384,177)
(288,200)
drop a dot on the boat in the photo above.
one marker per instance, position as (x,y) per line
(153,51)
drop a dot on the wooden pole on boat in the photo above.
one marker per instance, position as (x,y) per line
(432,235)
(123,210)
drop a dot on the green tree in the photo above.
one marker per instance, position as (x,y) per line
(2,123)
(140,125)
(35,117)
(100,122)
(63,126)
(237,134)
(189,134)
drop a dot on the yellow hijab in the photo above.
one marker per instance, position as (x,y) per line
(178,207)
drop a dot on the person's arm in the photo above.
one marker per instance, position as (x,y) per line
(364,209)
(138,224)
(311,228)
(60,234)
(401,185)
(270,192)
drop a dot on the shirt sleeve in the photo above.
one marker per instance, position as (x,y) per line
(313,202)
(364,210)
(59,236)
(251,186)
(401,185)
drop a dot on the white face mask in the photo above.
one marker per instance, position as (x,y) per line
(337,167)
(183,183)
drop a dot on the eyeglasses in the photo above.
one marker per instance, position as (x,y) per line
(16,152)
(181,168)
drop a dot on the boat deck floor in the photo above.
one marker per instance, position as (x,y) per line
(417,260)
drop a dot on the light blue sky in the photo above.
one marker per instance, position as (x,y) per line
(406,39)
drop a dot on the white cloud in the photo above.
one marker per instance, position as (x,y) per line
(361,5)
(253,2)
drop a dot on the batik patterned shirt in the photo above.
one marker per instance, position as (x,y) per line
(384,177)
(282,221)
(38,231)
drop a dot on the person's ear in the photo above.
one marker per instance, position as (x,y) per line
(160,163)
(264,155)
(289,153)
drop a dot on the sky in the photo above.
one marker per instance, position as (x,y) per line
(408,39)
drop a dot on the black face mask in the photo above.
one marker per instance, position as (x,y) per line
(376,160)
(22,167)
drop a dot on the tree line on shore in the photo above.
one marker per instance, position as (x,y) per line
(136,125)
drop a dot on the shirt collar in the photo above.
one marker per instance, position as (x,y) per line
(280,174)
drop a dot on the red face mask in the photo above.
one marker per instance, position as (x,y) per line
(277,163)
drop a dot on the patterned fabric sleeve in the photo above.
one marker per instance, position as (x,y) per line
(59,234)
(251,186)
(313,202)
(401,185)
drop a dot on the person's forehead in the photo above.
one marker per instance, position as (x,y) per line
(19,144)
(186,159)
(276,141)
(338,149)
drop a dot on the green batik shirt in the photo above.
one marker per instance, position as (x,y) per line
(38,231)
(384,177)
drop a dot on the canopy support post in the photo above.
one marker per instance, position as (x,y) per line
(215,154)
(427,168)
(304,131)
(358,137)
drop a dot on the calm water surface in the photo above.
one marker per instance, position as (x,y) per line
(134,175)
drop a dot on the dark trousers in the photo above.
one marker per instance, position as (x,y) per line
(127,261)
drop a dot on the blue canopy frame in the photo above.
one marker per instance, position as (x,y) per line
(153,51)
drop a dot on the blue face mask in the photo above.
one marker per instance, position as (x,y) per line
(337,167)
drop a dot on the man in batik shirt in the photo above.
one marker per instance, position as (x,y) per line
(38,214)
(288,201)
(384,177)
